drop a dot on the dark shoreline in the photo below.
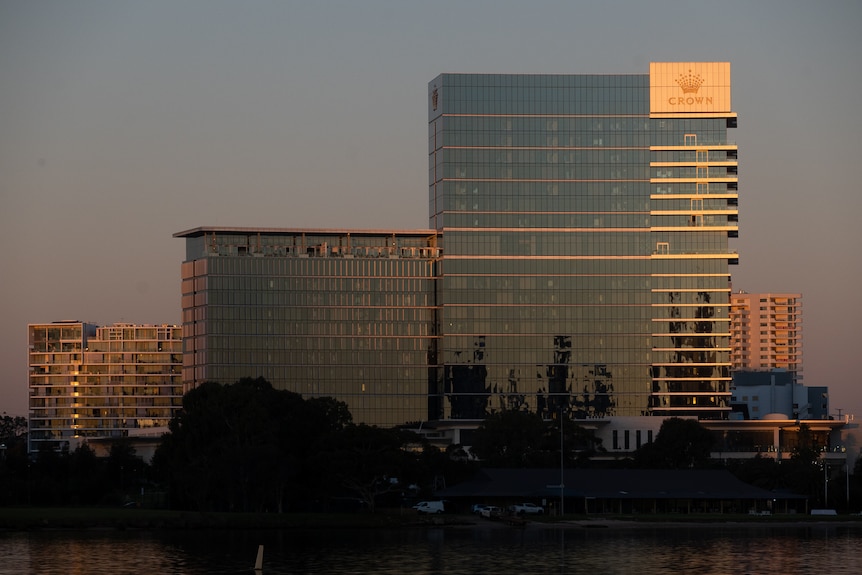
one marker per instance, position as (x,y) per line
(59,518)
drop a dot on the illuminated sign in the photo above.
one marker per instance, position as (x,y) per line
(689,87)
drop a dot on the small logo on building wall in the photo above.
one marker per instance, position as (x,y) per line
(434,99)
(690,83)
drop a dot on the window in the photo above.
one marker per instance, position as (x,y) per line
(616,439)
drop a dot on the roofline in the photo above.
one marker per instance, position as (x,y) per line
(202,230)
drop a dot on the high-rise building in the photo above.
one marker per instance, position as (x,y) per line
(767,332)
(585,223)
(89,382)
(577,261)
(349,314)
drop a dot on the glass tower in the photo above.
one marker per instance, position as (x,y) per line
(585,223)
(349,314)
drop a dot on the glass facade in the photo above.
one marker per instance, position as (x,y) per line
(585,246)
(101,382)
(577,262)
(346,314)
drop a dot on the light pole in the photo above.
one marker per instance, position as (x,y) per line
(562,485)
(825,486)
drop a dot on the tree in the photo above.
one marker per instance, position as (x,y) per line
(578,443)
(367,460)
(511,439)
(803,471)
(125,470)
(522,439)
(680,444)
(245,446)
(763,472)
(87,485)
(11,427)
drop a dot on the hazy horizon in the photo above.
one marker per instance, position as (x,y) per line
(125,122)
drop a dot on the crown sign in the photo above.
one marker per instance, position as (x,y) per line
(690,83)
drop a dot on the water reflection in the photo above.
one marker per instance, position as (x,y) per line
(646,551)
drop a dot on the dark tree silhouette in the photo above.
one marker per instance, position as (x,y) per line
(680,444)
(245,447)
(523,439)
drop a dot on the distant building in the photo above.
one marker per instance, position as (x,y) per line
(758,394)
(90,383)
(767,332)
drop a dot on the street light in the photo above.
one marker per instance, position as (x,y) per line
(562,484)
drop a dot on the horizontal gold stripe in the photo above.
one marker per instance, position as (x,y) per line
(530,180)
(728,146)
(695,228)
(692,290)
(695,256)
(548,230)
(694,179)
(693,196)
(684,115)
(683,212)
(543,116)
(485,257)
(555,148)
(692,164)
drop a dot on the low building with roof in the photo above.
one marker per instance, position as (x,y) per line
(623,491)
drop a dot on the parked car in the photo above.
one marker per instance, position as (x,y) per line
(477,508)
(429,507)
(526,509)
(491,512)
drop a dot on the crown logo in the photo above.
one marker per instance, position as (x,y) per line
(690,83)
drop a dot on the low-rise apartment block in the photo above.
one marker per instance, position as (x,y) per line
(91,383)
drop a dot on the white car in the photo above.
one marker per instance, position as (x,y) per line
(491,512)
(527,509)
(429,507)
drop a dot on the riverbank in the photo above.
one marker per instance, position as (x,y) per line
(31,518)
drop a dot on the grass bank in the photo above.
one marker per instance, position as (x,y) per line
(31,518)
(38,518)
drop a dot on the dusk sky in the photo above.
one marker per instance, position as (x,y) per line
(123,122)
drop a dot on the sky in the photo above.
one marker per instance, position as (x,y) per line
(123,122)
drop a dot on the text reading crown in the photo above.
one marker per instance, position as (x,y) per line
(690,83)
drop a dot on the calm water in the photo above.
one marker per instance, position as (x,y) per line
(835,550)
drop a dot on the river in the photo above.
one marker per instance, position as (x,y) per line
(717,549)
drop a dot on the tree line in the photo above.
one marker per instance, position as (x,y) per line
(249,447)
